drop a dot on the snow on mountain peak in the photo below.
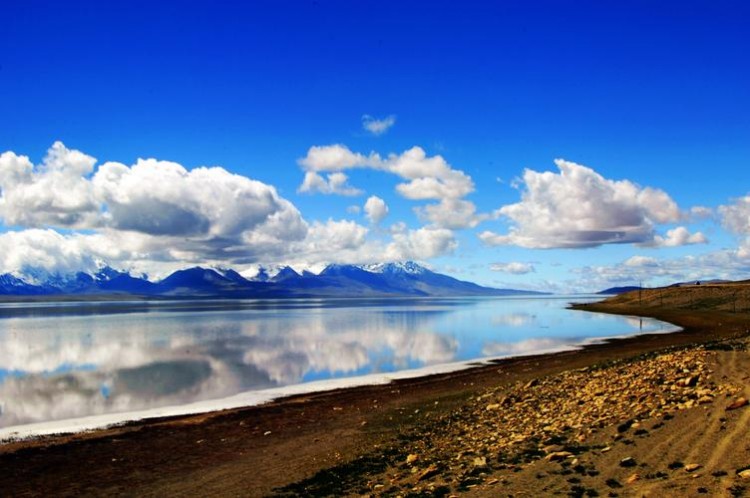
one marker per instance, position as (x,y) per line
(409,267)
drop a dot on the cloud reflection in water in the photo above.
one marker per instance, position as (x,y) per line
(57,367)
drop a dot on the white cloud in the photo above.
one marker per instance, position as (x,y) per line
(339,241)
(337,183)
(701,212)
(45,250)
(736,218)
(641,261)
(577,207)
(335,158)
(515,268)
(336,235)
(429,177)
(451,213)
(423,243)
(375,209)
(378,126)
(54,193)
(157,216)
(654,272)
(679,236)
(151,214)
(163,198)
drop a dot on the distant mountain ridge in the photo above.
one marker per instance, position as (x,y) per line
(335,280)
(619,290)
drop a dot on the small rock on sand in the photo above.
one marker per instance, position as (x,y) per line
(692,467)
(558,455)
(428,472)
(738,403)
(633,478)
(628,462)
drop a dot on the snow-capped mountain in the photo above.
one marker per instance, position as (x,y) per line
(409,267)
(335,280)
(106,280)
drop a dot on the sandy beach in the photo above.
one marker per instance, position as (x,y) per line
(653,415)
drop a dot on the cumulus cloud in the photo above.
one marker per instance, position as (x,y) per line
(22,252)
(650,271)
(641,261)
(163,198)
(336,157)
(735,217)
(427,178)
(135,216)
(430,177)
(340,241)
(57,192)
(378,126)
(375,209)
(451,213)
(67,214)
(679,236)
(423,243)
(578,207)
(514,268)
(336,235)
(336,183)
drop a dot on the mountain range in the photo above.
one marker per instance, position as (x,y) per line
(384,279)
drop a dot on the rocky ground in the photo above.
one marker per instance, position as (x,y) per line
(594,431)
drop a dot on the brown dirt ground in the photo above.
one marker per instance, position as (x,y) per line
(335,442)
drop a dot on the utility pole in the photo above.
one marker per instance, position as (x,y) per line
(640,293)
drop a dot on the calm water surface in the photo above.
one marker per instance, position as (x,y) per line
(69,360)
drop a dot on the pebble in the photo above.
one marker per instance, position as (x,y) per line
(633,478)
(428,472)
(744,474)
(738,403)
(628,462)
(558,455)
(692,467)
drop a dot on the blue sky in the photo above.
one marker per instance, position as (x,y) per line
(649,103)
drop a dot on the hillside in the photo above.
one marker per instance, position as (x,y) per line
(728,296)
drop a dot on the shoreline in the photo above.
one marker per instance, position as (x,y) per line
(313,431)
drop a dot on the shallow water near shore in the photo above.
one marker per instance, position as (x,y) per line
(110,362)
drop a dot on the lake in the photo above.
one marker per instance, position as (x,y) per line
(72,360)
